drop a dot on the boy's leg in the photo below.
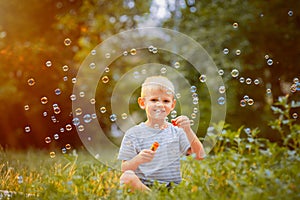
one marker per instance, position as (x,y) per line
(129,178)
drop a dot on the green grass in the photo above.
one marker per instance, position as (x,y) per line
(241,166)
(234,171)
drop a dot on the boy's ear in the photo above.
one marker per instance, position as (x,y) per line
(173,104)
(141,102)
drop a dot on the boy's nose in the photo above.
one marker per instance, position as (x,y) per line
(159,103)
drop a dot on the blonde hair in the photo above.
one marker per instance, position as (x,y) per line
(158,81)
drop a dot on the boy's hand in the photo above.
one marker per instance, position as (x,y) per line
(182,122)
(145,155)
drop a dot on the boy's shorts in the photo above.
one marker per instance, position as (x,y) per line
(149,183)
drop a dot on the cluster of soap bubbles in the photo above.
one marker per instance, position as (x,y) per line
(56,109)
(246,100)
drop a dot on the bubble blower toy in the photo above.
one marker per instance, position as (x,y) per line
(154,146)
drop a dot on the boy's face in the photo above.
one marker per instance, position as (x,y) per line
(157,103)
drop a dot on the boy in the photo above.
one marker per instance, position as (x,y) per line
(141,165)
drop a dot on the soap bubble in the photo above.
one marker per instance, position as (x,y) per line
(173,113)
(268,91)
(238,52)
(87,118)
(270,62)
(81,128)
(295,115)
(106,69)
(296,80)
(53,118)
(92,65)
(65,78)
(26,107)
(267,56)
(202,78)
(102,109)
(76,121)
(150,48)
(81,94)
(256,81)
(195,101)
(56,136)
(113,117)
(290,13)
(48,63)
(74,80)
(221,72)
(107,55)
(222,89)
(234,73)
(125,53)
(193,89)
(45,113)
(124,115)
(105,79)
(20,180)
(44,100)
(176,65)
(62,130)
(195,110)
(248,81)
(63,150)
(93,52)
(92,101)
(27,129)
(242,79)
(225,51)
(250,102)
(67,41)
(247,130)
(57,91)
(68,127)
(52,154)
(193,115)
(298,86)
(78,111)
(178,95)
(163,70)
(73,97)
(65,68)
(31,82)
(133,52)
(155,50)
(221,100)
(243,103)
(56,108)
(68,146)
(48,140)
(246,97)
(235,25)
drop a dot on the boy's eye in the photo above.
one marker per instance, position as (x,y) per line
(153,100)
(166,101)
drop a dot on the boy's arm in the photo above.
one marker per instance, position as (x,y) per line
(144,156)
(196,146)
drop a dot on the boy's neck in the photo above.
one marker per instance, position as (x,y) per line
(157,124)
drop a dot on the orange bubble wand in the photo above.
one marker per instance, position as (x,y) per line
(154,146)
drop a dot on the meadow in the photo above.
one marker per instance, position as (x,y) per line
(240,166)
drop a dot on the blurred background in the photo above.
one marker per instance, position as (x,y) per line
(43,43)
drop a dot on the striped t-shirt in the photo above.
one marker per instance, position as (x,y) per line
(165,166)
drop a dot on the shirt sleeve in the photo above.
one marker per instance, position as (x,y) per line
(128,147)
(183,142)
